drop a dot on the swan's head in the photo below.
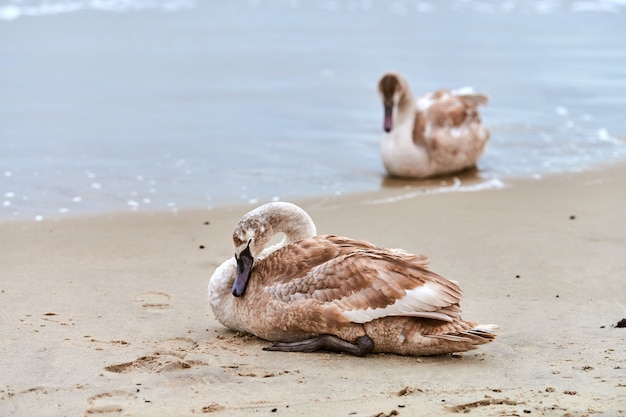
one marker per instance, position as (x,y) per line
(255,229)
(394,93)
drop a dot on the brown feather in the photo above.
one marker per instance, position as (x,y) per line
(332,285)
(350,274)
(445,127)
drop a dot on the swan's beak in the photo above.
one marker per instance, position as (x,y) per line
(244,268)
(388,123)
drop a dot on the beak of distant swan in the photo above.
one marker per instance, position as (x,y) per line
(388,122)
(244,268)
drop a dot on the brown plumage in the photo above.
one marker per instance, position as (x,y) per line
(334,292)
(439,133)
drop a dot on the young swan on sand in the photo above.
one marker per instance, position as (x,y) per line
(440,133)
(313,292)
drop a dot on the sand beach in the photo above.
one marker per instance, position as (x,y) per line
(107,315)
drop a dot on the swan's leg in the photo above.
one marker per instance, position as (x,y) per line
(363,345)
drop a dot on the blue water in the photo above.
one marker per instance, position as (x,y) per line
(163,105)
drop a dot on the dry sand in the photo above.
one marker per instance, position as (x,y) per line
(108,315)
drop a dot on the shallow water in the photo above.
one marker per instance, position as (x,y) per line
(162,105)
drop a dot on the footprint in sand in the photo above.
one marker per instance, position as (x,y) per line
(169,355)
(466,408)
(153,300)
(178,344)
(108,404)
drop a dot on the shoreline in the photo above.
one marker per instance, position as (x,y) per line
(107,314)
(466,181)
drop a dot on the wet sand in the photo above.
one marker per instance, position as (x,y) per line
(108,315)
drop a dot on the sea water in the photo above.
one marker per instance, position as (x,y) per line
(116,105)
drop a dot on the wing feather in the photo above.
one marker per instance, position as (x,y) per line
(364,283)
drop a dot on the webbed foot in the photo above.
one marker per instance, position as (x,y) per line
(363,345)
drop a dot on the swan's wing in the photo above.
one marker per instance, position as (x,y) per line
(298,258)
(425,101)
(455,109)
(471,96)
(372,283)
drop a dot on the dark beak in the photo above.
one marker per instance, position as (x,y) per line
(244,268)
(388,123)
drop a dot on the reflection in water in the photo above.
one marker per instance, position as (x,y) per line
(469,176)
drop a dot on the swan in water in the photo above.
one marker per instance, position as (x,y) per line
(312,292)
(439,133)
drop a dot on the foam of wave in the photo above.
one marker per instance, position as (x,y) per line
(457,186)
(14,9)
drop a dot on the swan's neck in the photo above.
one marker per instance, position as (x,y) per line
(294,223)
(405,118)
(263,223)
(405,105)
(296,226)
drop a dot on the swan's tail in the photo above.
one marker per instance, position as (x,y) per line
(484,332)
(472,97)
(419,336)
(464,340)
